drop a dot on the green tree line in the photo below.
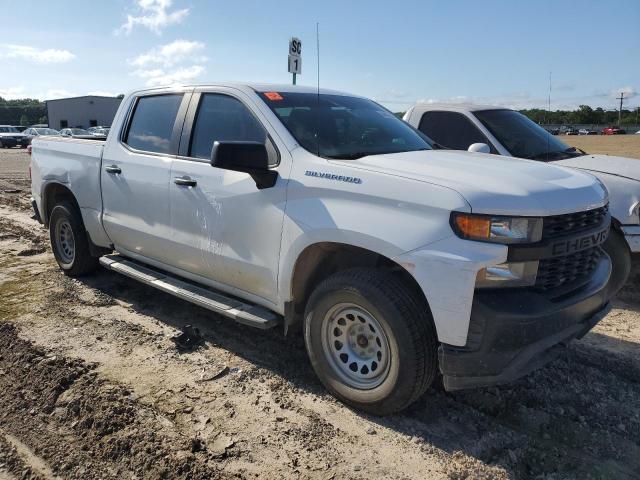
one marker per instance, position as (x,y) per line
(25,111)
(583,115)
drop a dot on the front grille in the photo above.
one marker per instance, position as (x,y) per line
(554,272)
(557,271)
(568,224)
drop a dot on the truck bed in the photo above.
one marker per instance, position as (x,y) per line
(74,163)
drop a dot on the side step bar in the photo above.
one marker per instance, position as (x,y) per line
(244,313)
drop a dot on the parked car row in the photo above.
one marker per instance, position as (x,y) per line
(585,131)
(11,136)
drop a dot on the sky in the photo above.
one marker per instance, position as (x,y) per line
(396,52)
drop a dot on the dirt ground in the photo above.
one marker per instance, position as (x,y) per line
(621,145)
(92,387)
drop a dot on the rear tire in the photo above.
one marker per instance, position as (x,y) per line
(370,340)
(618,250)
(69,240)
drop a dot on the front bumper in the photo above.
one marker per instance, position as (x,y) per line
(512,333)
(632,236)
(9,141)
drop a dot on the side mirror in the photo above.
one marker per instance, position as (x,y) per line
(247,157)
(479,148)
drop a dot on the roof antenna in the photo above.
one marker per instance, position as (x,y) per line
(549,119)
(318,85)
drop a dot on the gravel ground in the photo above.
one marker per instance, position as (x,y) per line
(92,387)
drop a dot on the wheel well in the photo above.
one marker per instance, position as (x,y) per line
(55,193)
(319,261)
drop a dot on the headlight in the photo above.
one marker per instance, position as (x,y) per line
(495,229)
(510,274)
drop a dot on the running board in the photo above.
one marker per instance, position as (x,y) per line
(241,312)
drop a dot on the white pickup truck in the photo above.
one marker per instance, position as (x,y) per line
(286,205)
(506,132)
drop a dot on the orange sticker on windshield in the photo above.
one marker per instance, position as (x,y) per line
(273,96)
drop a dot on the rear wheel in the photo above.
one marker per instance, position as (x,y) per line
(371,342)
(69,241)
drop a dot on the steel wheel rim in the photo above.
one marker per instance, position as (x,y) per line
(356,346)
(65,241)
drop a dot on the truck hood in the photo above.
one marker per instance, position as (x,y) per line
(619,166)
(494,184)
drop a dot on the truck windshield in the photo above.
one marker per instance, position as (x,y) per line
(343,127)
(8,130)
(522,137)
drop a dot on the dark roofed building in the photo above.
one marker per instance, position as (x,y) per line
(82,112)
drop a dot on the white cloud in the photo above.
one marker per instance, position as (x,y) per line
(12,93)
(629,92)
(34,54)
(54,93)
(177,62)
(154,15)
(103,93)
(160,77)
(148,73)
(170,54)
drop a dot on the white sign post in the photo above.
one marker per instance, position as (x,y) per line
(295,57)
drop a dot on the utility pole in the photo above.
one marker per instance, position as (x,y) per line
(621,98)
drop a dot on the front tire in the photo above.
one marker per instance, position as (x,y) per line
(69,241)
(371,341)
(618,250)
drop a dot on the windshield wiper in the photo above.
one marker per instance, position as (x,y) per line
(576,152)
(558,155)
(350,156)
(357,155)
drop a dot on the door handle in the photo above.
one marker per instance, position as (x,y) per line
(185,181)
(112,169)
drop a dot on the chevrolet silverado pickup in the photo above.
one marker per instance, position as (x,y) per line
(279,205)
(506,132)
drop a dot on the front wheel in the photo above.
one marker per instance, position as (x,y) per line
(618,250)
(370,340)
(69,241)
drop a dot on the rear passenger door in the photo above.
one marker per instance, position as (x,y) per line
(135,176)
(225,230)
(452,130)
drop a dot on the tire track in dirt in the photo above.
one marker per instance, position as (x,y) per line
(82,425)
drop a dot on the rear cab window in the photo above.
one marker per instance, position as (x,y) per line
(152,123)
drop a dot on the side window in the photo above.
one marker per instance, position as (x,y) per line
(151,126)
(451,130)
(223,118)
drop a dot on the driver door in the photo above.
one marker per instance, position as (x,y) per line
(224,229)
